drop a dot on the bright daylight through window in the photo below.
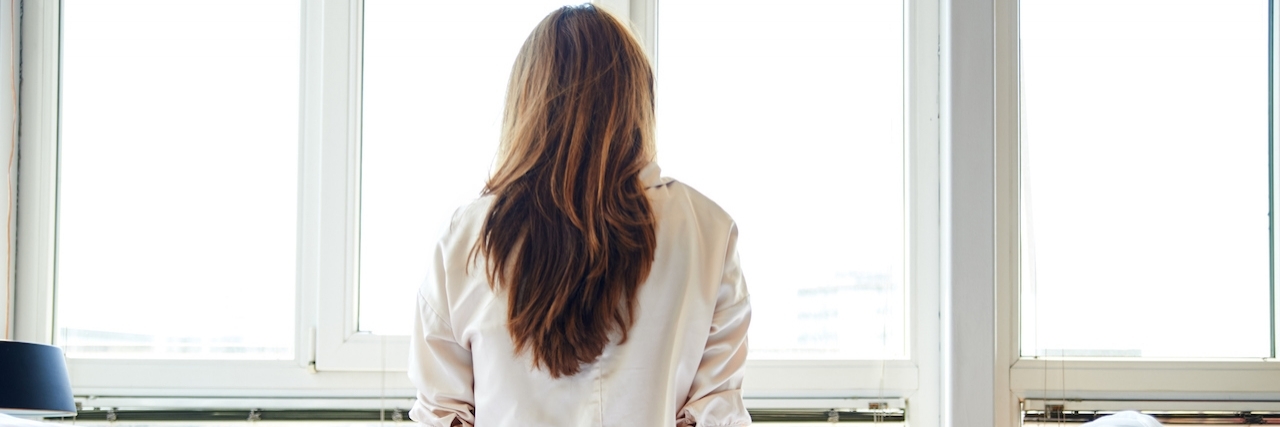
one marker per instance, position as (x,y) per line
(178,179)
(1144,188)
(792,119)
(435,77)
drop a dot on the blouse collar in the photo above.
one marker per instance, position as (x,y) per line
(651,176)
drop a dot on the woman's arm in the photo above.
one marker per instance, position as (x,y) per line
(715,398)
(439,367)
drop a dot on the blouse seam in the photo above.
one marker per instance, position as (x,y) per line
(435,313)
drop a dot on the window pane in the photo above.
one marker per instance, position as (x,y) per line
(435,76)
(177,199)
(790,116)
(1145,178)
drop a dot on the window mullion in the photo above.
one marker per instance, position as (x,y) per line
(311,120)
(38,165)
(1271,164)
(331,186)
(923,233)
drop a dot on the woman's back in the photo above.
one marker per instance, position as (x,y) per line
(582,289)
(683,358)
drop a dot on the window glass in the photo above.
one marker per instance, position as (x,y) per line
(790,116)
(177,187)
(1145,181)
(435,77)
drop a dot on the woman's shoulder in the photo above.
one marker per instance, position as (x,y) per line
(466,220)
(683,196)
(473,211)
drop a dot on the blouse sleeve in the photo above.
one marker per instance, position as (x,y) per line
(439,367)
(715,399)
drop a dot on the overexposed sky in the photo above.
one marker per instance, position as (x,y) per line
(178,177)
(1145,125)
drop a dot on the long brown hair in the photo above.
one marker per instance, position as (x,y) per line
(570,235)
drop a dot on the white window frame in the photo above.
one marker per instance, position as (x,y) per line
(1239,384)
(279,380)
(343,347)
(334,362)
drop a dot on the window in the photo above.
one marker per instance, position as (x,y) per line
(178,179)
(1146,273)
(821,220)
(301,195)
(430,131)
(1145,179)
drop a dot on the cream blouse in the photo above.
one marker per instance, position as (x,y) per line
(682,363)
